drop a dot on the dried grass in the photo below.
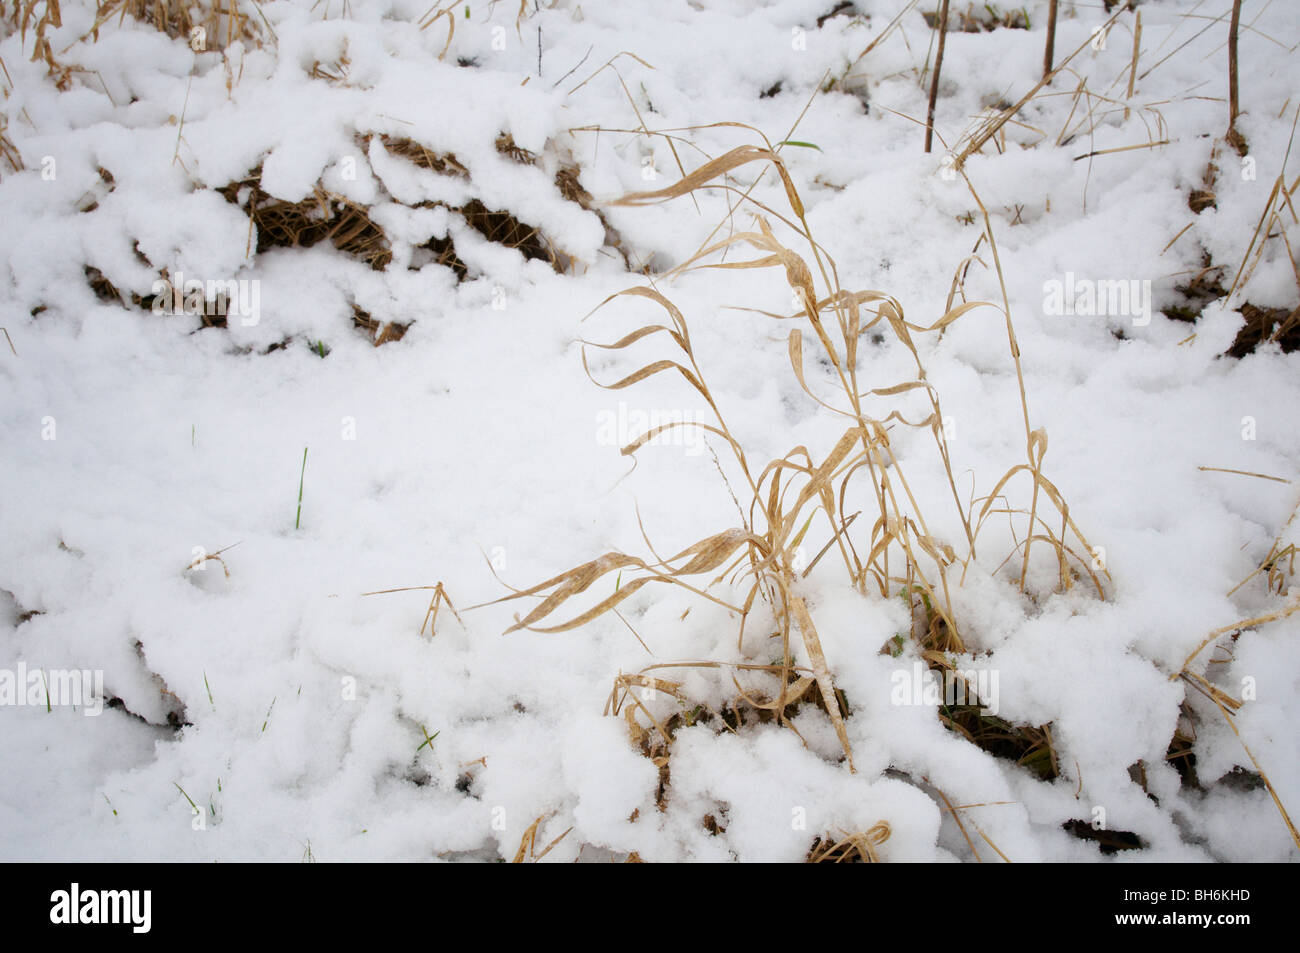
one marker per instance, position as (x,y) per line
(1259,325)
(338,72)
(23,15)
(1234,136)
(104,289)
(653,734)
(203,24)
(983,19)
(444,253)
(1277,221)
(1181,746)
(1279,565)
(976,139)
(502,228)
(528,843)
(8,151)
(858,847)
(495,225)
(325,215)
(1236,627)
(444,163)
(200,561)
(1224,702)
(505,145)
(222,22)
(436,602)
(898,554)
(955,812)
(1108,841)
(941,28)
(1049,46)
(379,332)
(1273,223)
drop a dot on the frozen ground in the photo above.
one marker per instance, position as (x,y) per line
(277,713)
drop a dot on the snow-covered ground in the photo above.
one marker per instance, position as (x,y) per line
(263,706)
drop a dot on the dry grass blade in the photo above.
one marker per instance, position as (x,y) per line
(1236,627)
(432,17)
(889,28)
(1137,50)
(704,556)
(1262,476)
(947,803)
(812,643)
(705,174)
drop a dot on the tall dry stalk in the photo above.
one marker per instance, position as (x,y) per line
(1050,48)
(942,27)
(1235,138)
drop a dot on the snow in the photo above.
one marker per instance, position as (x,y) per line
(295,708)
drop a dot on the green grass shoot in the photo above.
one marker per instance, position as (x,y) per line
(428,739)
(301,476)
(188,798)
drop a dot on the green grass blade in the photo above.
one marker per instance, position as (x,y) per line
(301,476)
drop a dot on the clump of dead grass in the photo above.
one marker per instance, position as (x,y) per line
(41,16)
(896,552)
(505,145)
(498,226)
(205,24)
(502,228)
(324,215)
(379,332)
(444,163)
(329,216)
(982,19)
(850,847)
